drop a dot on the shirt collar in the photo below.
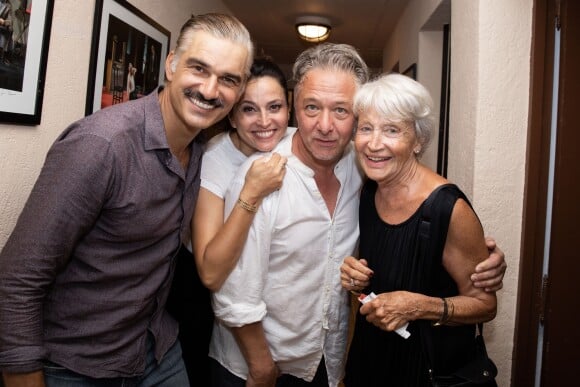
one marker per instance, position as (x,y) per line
(155,136)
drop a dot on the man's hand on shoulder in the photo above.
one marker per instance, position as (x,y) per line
(489,273)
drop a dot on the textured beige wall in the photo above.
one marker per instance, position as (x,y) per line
(408,45)
(430,60)
(403,45)
(490,81)
(23,148)
(489,119)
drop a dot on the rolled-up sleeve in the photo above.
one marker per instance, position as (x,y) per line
(240,300)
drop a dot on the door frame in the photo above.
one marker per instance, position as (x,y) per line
(530,291)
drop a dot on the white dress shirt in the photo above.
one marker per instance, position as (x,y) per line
(288,274)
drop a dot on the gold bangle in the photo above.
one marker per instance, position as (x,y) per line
(444,316)
(451,310)
(247,206)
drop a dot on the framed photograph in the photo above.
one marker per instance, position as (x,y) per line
(24,40)
(411,71)
(127,55)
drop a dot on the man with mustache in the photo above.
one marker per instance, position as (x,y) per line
(85,275)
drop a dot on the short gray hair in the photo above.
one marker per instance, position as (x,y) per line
(399,98)
(332,56)
(219,25)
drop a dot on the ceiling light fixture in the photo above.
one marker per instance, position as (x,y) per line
(313,29)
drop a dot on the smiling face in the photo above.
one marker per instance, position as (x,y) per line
(261,116)
(203,82)
(324,114)
(385,149)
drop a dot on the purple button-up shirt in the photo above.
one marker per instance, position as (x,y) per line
(87,270)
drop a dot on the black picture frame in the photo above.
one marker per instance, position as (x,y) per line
(23,65)
(124,37)
(411,71)
(443,138)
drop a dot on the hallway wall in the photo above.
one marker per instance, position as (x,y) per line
(490,83)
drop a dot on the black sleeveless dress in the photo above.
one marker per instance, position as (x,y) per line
(381,358)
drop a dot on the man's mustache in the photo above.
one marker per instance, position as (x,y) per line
(215,102)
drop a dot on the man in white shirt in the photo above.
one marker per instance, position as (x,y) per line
(282,316)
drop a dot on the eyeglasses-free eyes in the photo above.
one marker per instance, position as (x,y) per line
(386,131)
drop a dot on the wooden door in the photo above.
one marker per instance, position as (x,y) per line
(552,299)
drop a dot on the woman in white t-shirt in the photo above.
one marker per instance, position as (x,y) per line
(259,121)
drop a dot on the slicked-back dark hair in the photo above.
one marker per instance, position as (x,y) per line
(219,25)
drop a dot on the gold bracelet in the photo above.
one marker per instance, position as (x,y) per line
(444,316)
(451,310)
(247,206)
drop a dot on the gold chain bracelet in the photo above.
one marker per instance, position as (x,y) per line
(247,206)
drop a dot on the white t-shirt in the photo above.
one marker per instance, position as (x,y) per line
(220,162)
(288,275)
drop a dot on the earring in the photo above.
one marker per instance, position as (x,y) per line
(417,151)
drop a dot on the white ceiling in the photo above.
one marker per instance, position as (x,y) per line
(365,24)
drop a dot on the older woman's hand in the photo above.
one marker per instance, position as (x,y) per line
(389,311)
(355,274)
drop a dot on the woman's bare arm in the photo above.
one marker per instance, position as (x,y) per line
(217,245)
(464,248)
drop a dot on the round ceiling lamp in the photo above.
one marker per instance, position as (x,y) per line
(313,29)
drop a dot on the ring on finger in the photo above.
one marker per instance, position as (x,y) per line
(352,282)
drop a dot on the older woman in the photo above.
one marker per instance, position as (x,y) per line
(430,291)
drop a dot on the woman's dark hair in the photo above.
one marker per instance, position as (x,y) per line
(265,67)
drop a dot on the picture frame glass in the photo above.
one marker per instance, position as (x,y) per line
(127,56)
(411,71)
(23,57)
